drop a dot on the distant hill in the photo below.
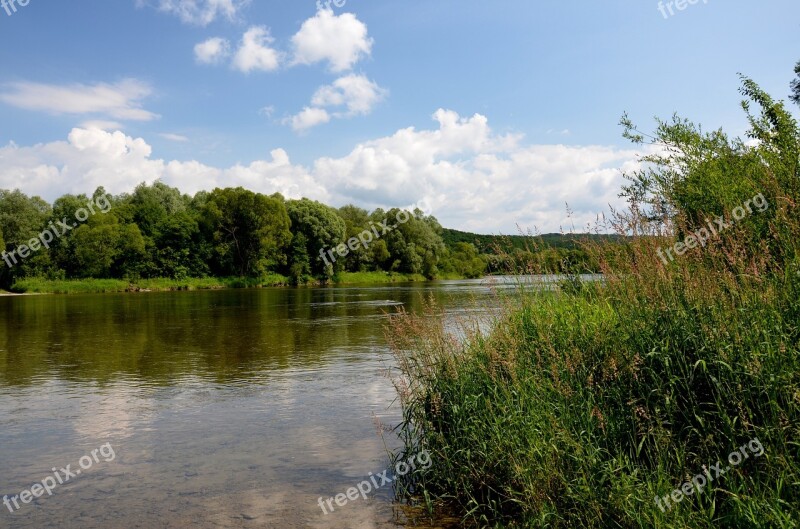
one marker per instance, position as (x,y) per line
(487,243)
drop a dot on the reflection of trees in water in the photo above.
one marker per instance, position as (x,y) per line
(219,335)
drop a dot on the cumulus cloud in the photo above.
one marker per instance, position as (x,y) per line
(93,157)
(212,51)
(355,92)
(200,12)
(308,118)
(340,40)
(469,176)
(255,52)
(121,100)
(348,96)
(88,159)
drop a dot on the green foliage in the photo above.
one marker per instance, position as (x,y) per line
(250,231)
(86,286)
(463,260)
(795,95)
(179,249)
(152,206)
(347,278)
(299,263)
(584,404)
(322,229)
(415,245)
(62,249)
(157,232)
(104,247)
(361,259)
(22,218)
(489,244)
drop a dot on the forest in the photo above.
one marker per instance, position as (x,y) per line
(158,232)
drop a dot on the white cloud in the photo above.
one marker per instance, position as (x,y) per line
(471,177)
(255,53)
(200,12)
(355,92)
(174,137)
(212,51)
(121,100)
(308,118)
(93,157)
(88,159)
(101,124)
(477,180)
(341,40)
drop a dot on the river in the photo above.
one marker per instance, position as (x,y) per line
(214,409)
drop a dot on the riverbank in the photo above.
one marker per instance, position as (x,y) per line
(608,404)
(99,286)
(582,407)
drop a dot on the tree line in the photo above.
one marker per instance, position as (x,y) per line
(156,231)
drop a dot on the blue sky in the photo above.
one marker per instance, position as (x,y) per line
(488,115)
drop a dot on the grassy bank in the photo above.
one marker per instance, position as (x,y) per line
(45,286)
(346,278)
(582,407)
(86,286)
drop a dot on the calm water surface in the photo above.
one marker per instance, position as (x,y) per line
(234,408)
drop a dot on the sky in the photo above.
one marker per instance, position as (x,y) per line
(491,116)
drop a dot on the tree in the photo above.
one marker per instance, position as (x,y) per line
(795,96)
(250,231)
(105,247)
(22,219)
(415,245)
(181,251)
(62,249)
(356,222)
(323,230)
(465,261)
(704,174)
(299,262)
(152,207)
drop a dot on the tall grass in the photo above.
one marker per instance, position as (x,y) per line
(582,406)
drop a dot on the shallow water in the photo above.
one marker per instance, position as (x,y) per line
(234,408)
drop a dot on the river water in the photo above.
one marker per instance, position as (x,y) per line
(205,409)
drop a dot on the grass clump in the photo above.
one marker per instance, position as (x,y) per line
(583,405)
